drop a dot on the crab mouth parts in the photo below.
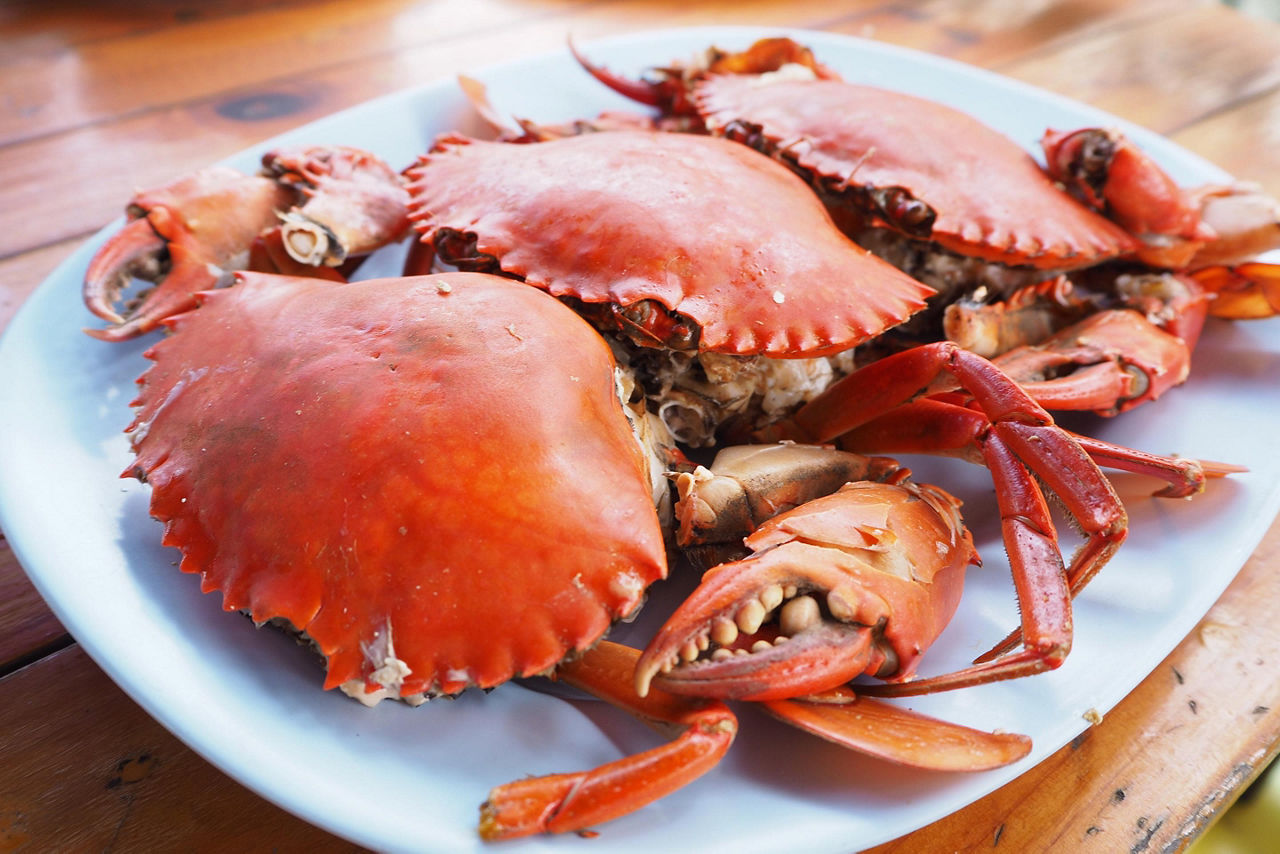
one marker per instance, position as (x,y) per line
(785,641)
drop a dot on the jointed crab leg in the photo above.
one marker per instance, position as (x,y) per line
(1021,438)
(564,802)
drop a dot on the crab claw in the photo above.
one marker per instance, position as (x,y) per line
(1109,173)
(132,253)
(860,581)
(186,237)
(1108,363)
(355,203)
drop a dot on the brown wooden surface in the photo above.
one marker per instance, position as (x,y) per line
(99,98)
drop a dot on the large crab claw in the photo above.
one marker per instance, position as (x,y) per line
(885,407)
(1110,174)
(187,237)
(1180,228)
(861,581)
(1108,363)
(835,587)
(193,234)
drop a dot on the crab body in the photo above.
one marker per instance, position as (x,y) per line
(439,418)
(637,219)
(914,166)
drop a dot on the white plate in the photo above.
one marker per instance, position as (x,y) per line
(400,778)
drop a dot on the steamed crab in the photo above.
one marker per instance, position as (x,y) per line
(968,211)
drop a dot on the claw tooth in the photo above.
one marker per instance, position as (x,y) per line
(750,616)
(704,643)
(740,651)
(668,665)
(789,591)
(772,596)
(723,631)
(761,645)
(721,654)
(643,679)
(780,639)
(799,614)
(689,651)
(839,606)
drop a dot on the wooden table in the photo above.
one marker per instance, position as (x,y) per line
(97,99)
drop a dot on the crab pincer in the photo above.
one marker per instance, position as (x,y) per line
(187,236)
(311,209)
(833,582)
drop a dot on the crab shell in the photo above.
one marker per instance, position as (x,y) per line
(713,231)
(431,477)
(990,198)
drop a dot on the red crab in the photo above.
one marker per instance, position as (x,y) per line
(962,207)
(381,466)
(309,210)
(704,256)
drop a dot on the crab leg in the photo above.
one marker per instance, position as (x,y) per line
(1021,438)
(1243,292)
(899,735)
(947,427)
(558,803)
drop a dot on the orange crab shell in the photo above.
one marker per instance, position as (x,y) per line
(710,229)
(432,472)
(991,199)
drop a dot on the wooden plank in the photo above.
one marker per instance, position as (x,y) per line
(156,68)
(43,28)
(30,628)
(70,184)
(1112,789)
(86,769)
(1245,140)
(994,34)
(1224,65)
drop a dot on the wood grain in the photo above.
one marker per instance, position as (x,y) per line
(87,770)
(97,99)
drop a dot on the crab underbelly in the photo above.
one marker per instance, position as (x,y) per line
(694,394)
